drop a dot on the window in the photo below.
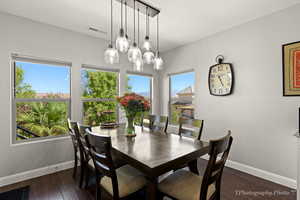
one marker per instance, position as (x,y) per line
(142,85)
(41,98)
(181,96)
(99,91)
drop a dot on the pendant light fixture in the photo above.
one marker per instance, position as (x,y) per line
(139,63)
(111,55)
(134,53)
(147,44)
(148,55)
(158,61)
(122,43)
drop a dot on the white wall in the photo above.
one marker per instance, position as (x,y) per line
(261,119)
(25,37)
(298,166)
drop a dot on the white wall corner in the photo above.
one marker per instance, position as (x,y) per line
(15,178)
(288,182)
(298,166)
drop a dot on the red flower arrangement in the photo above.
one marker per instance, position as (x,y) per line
(133,104)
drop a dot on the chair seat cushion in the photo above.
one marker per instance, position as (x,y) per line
(184,185)
(91,164)
(78,154)
(129,181)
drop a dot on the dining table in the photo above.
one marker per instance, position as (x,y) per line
(155,153)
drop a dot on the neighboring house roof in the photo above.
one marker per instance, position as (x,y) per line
(182,102)
(186,91)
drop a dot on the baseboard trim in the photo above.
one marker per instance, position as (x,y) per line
(15,178)
(288,182)
(8,180)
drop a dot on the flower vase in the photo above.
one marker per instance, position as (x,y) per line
(130,130)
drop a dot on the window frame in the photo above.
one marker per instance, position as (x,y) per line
(83,100)
(35,60)
(170,91)
(151,84)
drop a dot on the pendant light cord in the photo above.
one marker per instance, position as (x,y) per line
(138,26)
(157,29)
(134,21)
(121,14)
(148,17)
(147,23)
(111,22)
(126,18)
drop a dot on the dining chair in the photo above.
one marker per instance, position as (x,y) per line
(87,162)
(185,185)
(147,121)
(191,127)
(160,123)
(85,156)
(75,146)
(119,183)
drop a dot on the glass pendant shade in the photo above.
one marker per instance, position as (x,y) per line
(158,62)
(148,57)
(147,44)
(134,53)
(138,65)
(111,55)
(122,43)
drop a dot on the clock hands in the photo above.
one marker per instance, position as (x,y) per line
(221,80)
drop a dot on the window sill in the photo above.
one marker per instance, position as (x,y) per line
(21,143)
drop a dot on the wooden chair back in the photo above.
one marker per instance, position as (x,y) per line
(214,169)
(160,123)
(72,134)
(191,127)
(101,151)
(147,121)
(83,145)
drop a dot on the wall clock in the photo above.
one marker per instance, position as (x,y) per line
(220,78)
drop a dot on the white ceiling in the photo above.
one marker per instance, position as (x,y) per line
(182,21)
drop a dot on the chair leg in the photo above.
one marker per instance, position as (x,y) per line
(82,167)
(87,177)
(160,196)
(75,166)
(218,194)
(98,192)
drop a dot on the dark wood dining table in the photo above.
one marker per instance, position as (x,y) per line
(155,153)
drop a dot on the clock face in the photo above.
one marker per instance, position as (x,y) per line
(220,79)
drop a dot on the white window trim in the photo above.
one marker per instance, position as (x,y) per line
(102,69)
(13,100)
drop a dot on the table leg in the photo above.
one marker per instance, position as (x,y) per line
(152,188)
(193,166)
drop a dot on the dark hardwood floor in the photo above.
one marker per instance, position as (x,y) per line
(236,186)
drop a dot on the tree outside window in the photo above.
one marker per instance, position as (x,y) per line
(41,99)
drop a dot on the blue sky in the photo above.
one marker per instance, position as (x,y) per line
(56,79)
(139,84)
(182,81)
(46,78)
